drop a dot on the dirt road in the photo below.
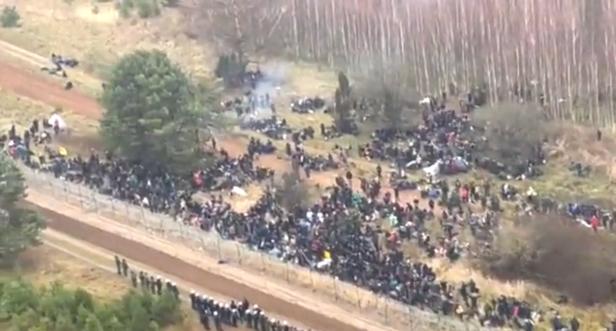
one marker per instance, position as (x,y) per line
(36,87)
(102,259)
(171,265)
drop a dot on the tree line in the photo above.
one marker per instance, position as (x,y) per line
(26,308)
(558,53)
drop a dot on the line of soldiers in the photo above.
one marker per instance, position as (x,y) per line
(147,282)
(234,314)
(231,314)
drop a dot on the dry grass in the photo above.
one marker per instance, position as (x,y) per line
(591,318)
(97,40)
(44,265)
(578,144)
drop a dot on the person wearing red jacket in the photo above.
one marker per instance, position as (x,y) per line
(594,222)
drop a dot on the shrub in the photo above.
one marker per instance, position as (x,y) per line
(9,17)
(25,308)
(147,8)
(291,192)
(554,252)
(513,133)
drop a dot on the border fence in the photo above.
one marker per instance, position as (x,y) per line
(384,309)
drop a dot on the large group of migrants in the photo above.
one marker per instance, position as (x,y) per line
(339,234)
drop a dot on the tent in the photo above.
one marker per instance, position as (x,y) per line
(56,118)
(433,170)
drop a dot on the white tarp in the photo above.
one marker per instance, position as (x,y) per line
(238,191)
(425,101)
(433,170)
(56,118)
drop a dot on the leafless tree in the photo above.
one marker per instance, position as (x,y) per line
(561,53)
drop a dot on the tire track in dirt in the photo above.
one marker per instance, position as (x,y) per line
(35,87)
(174,266)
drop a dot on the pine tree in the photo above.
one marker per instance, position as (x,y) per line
(153,115)
(19,228)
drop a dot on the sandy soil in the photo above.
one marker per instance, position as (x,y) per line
(49,92)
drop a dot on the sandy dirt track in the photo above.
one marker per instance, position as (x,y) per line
(103,260)
(161,261)
(45,90)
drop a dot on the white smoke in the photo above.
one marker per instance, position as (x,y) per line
(274,77)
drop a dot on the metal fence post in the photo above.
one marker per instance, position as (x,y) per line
(142,215)
(311,278)
(220,259)
(335,288)
(386,309)
(239,253)
(287,270)
(65,191)
(262,261)
(94,201)
(80,196)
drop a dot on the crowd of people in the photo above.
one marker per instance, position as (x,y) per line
(341,234)
(235,314)
(447,141)
(272,127)
(307,105)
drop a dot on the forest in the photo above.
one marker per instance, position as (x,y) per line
(557,53)
(57,308)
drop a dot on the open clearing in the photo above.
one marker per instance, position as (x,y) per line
(99,39)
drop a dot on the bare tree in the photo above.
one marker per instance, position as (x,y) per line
(556,53)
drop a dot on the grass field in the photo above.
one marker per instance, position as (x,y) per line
(98,40)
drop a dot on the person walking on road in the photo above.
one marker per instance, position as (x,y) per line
(124,268)
(118,265)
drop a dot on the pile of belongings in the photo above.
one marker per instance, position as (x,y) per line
(255,146)
(507,172)
(307,105)
(579,170)
(401,182)
(272,127)
(317,162)
(449,166)
(60,61)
